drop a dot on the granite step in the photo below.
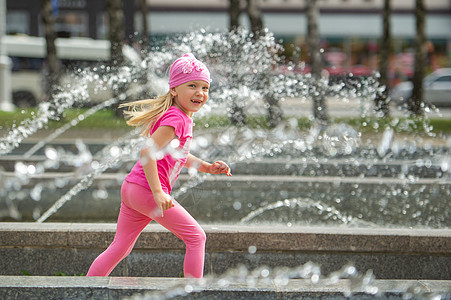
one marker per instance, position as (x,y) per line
(314,200)
(48,249)
(112,288)
(345,167)
(285,149)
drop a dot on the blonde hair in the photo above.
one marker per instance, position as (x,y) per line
(146,112)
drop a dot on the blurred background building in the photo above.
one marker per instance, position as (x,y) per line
(350,30)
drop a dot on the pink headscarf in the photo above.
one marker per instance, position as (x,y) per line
(187,68)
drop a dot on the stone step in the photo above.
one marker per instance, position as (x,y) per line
(284,150)
(341,168)
(422,168)
(68,146)
(112,288)
(50,248)
(310,200)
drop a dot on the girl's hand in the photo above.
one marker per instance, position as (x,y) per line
(163,201)
(220,167)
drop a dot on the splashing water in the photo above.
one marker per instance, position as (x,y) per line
(69,125)
(409,175)
(356,283)
(331,213)
(246,82)
(99,168)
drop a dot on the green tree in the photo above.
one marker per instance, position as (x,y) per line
(234,13)
(275,113)
(317,89)
(416,102)
(255,18)
(145,31)
(382,97)
(116,33)
(51,57)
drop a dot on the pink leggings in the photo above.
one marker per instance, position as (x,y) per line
(137,207)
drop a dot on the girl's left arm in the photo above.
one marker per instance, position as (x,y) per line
(218,167)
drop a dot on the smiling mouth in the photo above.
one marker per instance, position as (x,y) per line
(196,101)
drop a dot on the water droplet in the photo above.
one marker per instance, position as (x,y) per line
(51,153)
(31,169)
(36,213)
(444,165)
(115,151)
(20,168)
(100,194)
(35,193)
(192,171)
(95,164)
(350,271)
(175,143)
(265,273)
(315,278)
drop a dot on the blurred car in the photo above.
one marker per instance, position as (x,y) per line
(437,89)
(27,54)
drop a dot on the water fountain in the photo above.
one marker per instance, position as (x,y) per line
(285,176)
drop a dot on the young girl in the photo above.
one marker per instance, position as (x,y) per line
(145,191)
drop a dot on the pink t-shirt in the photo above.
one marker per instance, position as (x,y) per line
(168,167)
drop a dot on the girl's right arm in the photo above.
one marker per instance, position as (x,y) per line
(161,137)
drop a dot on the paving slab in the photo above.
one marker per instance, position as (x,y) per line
(51,287)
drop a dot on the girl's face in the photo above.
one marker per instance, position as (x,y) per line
(190,96)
